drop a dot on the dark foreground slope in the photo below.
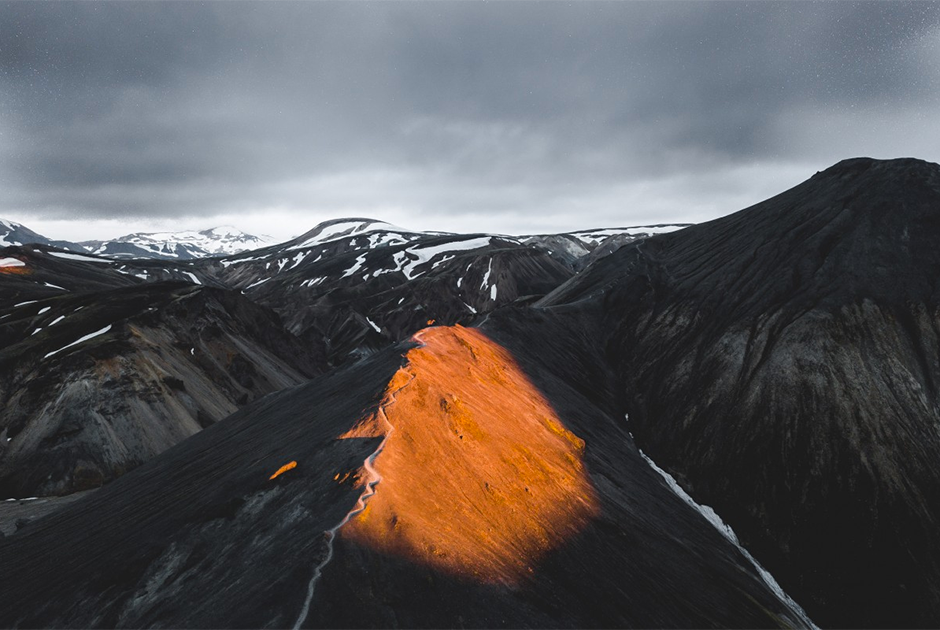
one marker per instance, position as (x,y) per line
(494,506)
(782,362)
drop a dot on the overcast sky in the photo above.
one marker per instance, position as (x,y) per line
(501,117)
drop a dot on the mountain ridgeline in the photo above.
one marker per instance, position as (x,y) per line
(733,424)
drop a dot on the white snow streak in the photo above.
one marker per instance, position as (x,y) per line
(11,262)
(254,284)
(85,338)
(486,276)
(421,255)
(374,325)
(193,276)
(360,261)
(725,530)
(79,257)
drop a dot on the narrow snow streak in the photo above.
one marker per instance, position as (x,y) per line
(85,338)
(725,530)
(79,257)
(367,493)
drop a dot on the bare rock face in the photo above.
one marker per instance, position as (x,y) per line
(109,380)
(783,363)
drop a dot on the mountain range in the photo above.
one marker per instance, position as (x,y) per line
(731,424)
(184,245)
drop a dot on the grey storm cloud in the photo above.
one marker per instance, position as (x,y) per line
(528,112)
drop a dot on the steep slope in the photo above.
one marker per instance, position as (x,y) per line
(312,508)
(94,384)
(782,362)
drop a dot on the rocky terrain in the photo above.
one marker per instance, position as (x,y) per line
(800,337)
(728,425)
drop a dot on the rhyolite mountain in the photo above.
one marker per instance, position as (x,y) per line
(494,431)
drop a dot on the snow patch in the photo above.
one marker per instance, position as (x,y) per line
(374,325)
(725,530)
(85,338)
(79,257)
(486,276)
(254,284)
(11,262)
(421,255)
(360,261)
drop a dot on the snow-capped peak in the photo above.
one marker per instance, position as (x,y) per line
(341,228)
(183,245)
(13,233)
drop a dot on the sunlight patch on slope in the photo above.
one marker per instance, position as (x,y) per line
(480,477)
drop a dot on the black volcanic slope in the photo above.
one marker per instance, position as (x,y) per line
(201,537)
(782,362)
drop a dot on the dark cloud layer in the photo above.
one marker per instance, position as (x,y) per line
(505,115)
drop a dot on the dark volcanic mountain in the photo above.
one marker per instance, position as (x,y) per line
(95,384)
(783,363)
(497,431)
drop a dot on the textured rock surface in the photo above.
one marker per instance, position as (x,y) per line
(202,537)
(174,359)
(782,362)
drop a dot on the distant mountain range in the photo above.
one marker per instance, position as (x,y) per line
(184,245)
(227,240)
